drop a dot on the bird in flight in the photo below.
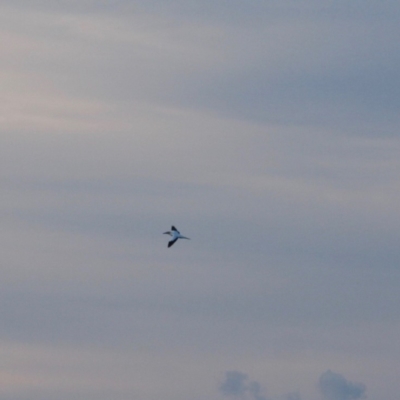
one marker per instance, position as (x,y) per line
(175,235)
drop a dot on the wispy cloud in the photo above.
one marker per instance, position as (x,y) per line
(266,130)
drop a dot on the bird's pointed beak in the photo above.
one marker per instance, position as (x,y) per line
(166,233)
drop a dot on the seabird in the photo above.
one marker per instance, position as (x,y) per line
(175,235)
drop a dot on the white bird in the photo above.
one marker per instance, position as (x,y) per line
(175,235)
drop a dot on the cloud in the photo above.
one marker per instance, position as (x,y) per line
(234,384)
(237,384)
(120,119)
(334,386)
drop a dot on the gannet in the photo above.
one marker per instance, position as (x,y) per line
(175,235)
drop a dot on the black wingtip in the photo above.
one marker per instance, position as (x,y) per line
(171,242)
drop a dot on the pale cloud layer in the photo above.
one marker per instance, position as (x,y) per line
(266,132)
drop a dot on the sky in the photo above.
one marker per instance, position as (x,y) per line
(267,132)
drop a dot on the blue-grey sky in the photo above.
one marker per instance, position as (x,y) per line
(267,132)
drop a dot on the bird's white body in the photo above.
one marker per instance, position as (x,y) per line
(175,234)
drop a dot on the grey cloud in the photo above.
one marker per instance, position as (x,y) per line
(237,384)
(257,11)
(73,6)
(294,229)
(336,80)
(234,384)
(302,64)
(334,386)
(255,391)
(329,66)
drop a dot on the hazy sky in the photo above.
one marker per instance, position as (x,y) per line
(267,132)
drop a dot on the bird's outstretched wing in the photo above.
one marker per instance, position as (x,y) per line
(172,242)
(174,229)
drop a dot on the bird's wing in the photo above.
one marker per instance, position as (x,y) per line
(172,242)
(174,229)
